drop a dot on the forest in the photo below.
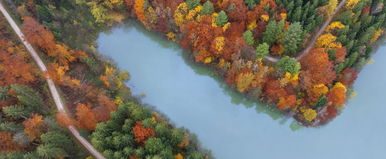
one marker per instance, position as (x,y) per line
(101,105)
(300,56)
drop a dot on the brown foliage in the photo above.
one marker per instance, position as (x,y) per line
(6,142)
(14,69)
(64,120)
(318,68)
(238,12)
(34,127)
(44,39)
(273,91)
(348,76)
(86,118)
(340,54)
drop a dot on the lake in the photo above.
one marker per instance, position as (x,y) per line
(233,127)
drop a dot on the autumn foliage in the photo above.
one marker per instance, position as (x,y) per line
(34,127)
(7,143)
(141,133)
(85,117)
(317,67)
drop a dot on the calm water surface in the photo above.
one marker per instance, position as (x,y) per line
(234,128)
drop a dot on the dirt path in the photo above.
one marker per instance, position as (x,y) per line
(54,92)
(311,43)
(320,32)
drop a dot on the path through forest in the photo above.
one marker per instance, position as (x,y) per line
(54,92)
(311,43)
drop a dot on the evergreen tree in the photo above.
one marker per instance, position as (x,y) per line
(296,16)
(195,155)
(293,38)
(50,151)
(12,127)
(17,111)
(207,8)
(221,19)
(56,139)
(272,31)
(4,93)
(250,3)
(154,145)
(248,37)
(28,97)
(192,3)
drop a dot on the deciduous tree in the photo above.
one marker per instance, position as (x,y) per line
(85,117)
(34,127)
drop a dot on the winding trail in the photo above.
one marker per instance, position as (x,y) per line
(54,92)
(311,43)
(320,32)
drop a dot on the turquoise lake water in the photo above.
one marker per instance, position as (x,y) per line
(234,128)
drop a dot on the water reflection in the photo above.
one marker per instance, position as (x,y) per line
(236,98)
(227,123)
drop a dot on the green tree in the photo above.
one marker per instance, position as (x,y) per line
(250,3)
(55,139)
(195,155)
(288,64)
(28,97)
(248,37)
(293,38)
(154,145)
(262,50)
(50,151)
(296,17)
(273,31)
(192,3)
(207,8)
(221,19)
(17,111)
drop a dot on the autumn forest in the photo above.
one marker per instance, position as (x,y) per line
(301,57)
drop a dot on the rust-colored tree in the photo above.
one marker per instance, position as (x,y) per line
(141,134)
(273,91)
(348,76)
(317,66)
(14,69)
(34,127)
(85,117)
(7,144)
(37,35)
(286,103)
(337,95)
(64,120)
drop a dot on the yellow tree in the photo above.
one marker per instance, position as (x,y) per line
(309,114)
(243,81)
(331,6)
(334,25)
(376,35)
(350,4)
(327,41)
(180,13)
